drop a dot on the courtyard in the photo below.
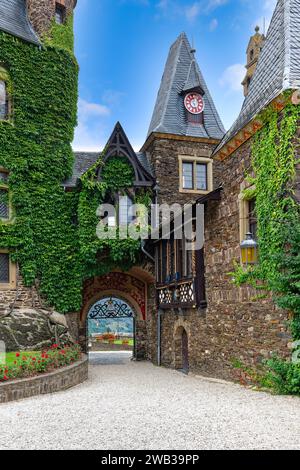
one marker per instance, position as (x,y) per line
(135,405)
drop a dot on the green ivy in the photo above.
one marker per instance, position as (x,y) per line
(35,148)
(278,215)
(61,35)
(100,256)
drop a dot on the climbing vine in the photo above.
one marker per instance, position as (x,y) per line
(53,233)
(278,215)
(99,255)
(61,35)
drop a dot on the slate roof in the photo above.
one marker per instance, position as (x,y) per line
(182,73)
(84,160)
(278,67)
(13,20)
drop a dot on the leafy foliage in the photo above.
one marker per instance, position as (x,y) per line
(278,215)
(35,148)
(284,376)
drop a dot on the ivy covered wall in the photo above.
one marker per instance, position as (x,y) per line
(53,233)
(274,159)
(35,147)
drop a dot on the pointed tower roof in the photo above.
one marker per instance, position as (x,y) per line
(278,68)
(13,20)
(182,74)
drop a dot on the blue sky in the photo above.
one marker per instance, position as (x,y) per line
(122,47)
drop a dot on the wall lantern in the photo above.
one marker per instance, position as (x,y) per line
(249,250)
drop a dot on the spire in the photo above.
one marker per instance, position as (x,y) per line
(278,67)
(181,75)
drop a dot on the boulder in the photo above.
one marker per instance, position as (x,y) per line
(33,329)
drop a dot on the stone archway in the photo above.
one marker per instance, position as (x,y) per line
(181,349)
(122,286)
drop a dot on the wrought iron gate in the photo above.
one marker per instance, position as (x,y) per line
(110,308)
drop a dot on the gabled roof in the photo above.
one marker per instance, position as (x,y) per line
(278,67)
(118,145)
(14,20)
(181,74)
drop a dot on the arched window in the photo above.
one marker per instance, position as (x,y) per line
(4,95)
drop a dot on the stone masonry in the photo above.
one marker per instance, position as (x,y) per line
(234,325)
(41,12)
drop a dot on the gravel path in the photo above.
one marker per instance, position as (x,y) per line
(128,405)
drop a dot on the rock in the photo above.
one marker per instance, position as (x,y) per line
(58,319)
(33,329)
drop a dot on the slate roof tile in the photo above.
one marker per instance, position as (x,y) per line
(182,73)
(13,20)
(278,67)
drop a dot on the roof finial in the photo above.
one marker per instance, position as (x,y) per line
(193,50)
(257,29)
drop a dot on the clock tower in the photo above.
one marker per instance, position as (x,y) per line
(185,128)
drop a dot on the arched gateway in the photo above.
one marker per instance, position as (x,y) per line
(112,316)
(117,295)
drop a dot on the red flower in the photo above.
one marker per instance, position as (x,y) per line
(5,378)
(18,355)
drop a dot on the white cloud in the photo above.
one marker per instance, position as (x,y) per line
(89,132)
(213,24)
(193,11)
(171,8)
(233,77)
(87,110)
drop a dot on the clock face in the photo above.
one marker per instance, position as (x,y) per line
(194,103)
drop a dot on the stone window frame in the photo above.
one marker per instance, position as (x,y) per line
(244,213)
(12,284)
(195,160)
(4,186)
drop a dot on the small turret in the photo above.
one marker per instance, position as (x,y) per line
(253,52)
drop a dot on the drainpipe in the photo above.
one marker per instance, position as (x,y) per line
(143,243)
(160,313)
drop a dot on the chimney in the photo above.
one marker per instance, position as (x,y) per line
(253,52)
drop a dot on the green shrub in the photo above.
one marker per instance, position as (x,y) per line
(285,376)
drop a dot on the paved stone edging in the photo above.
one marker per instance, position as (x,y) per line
(57,381)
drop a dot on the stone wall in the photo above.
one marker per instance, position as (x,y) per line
(20,297)
(234,325)
(57,381)
(41,12)
(163,154)
(138,292)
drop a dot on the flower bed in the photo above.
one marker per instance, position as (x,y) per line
(30,365)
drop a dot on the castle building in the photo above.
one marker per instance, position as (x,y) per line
(188,312)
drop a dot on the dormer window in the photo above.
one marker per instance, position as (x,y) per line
(251,55)
(60,13)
